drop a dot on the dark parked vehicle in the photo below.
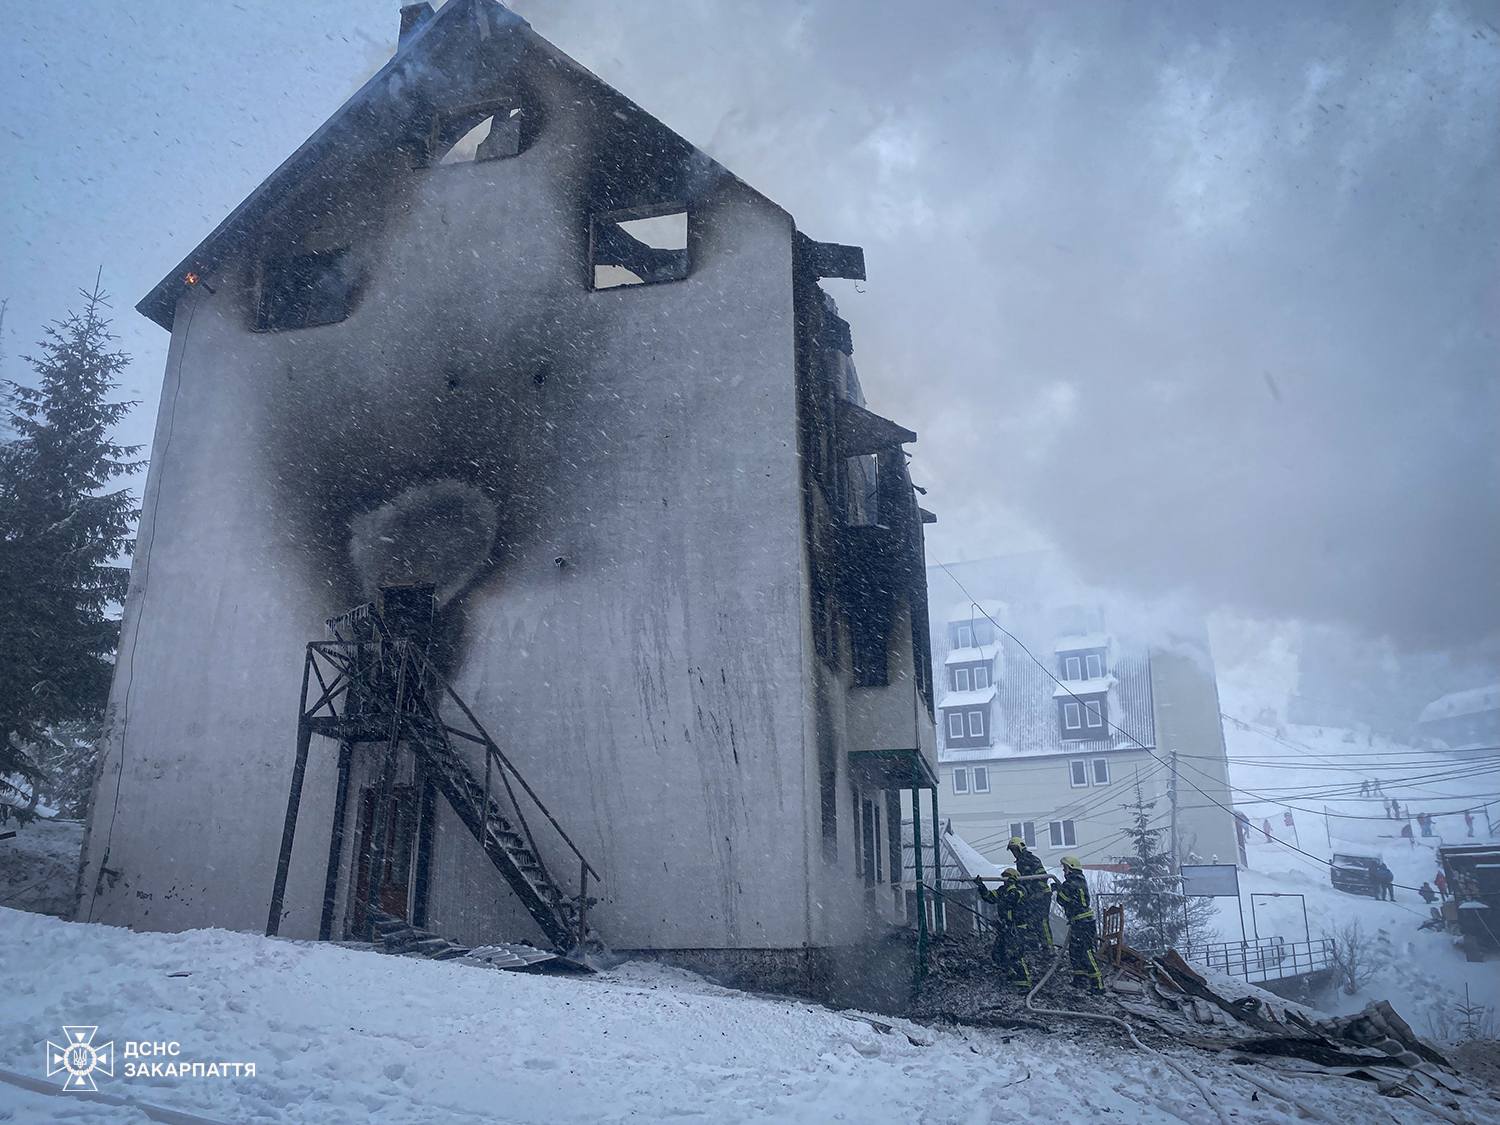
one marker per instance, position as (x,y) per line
(1355,874)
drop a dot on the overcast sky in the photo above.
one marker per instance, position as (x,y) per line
(1205,295)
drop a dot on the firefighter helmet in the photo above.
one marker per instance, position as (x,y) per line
(1072,862)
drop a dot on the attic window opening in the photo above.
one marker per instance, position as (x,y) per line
(306,290)
(475,134)
(638,248)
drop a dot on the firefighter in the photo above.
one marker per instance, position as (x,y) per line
(1035,928)
(1083,933)
(1008,952)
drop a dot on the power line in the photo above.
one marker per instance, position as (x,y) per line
(1202,792)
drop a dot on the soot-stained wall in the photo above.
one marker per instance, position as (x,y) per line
(607,484)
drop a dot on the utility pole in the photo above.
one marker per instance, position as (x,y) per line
(1172,797)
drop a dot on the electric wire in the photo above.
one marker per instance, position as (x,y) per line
(1150,750)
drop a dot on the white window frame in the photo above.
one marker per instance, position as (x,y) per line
(1093,665)
(1073,767)
(981,671)
(1095,767)
(1061,834)
(1072,668)
(1026,829)
(1093,713)
(952,715)
(960,779)
(963,630)
(981,774)
(1072,717)
(977,713)
(960,679)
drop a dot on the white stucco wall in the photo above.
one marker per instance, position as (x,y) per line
(652,689)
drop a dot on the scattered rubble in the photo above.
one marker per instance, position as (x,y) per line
(1168,1001)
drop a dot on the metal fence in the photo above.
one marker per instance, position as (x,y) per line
(1265,959)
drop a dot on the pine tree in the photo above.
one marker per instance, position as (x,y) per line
(62,531)
(1149,890)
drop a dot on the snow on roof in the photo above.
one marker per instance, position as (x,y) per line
(1081,641)
(967,698)
(1097,686)
(961,612)
(966,856)
(1028,706)
(972,655)
(1471,702)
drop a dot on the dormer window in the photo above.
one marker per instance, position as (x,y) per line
(970,634)
(643,246)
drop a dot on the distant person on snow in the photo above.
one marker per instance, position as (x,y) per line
(1364,788)
(1427,893)
(1389,811)
(1441,882)
(1265,829)
(1395,808)
(1407,835)
(1469,821)
(1385,882)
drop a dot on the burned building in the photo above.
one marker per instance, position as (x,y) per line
(559,401)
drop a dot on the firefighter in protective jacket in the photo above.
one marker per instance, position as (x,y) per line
(1035,927)
(1083,932)
(1008,951)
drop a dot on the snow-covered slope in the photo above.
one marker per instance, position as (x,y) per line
(339,1035)
(1315,774)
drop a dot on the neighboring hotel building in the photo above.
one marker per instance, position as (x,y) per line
(1053,754)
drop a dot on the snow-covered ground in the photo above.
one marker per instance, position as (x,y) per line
(38,866)
(1305,770)
(339,1035)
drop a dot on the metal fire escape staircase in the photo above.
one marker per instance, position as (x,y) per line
(366,685)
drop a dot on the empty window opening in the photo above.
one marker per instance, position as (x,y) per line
(963,636)
(1071,668)
(1094,665)
(1101,771)
(1060,834)
(960,780)
(955,724)
(305,290)
(981,779)
(981,677)
(960,679)
(1071,719)
(1094,711)
(976,724)
(1078,775)
(479,133)
(639,251)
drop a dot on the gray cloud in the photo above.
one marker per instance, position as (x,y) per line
(1200,294)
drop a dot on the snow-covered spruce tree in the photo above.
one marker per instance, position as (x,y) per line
(1157,916)
(63,529)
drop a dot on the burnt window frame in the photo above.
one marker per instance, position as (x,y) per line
(511,106)
(630,215)
(268,265)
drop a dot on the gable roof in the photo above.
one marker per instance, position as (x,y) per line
(391,89)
